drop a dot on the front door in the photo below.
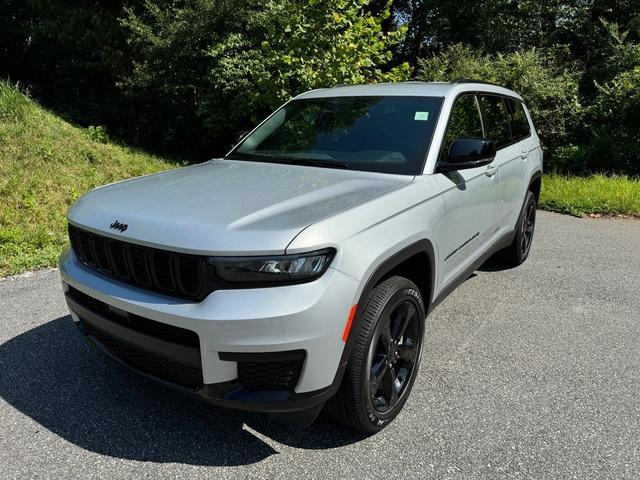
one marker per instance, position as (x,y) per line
(471,196)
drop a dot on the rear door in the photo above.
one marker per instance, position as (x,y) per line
(497,127)
(471,196)
(516,173)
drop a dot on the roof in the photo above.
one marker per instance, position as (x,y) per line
(418,89)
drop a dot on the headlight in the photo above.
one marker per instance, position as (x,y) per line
(274,269)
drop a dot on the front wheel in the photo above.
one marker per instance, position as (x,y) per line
(385,357)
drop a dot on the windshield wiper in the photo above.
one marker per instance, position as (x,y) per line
(315,162)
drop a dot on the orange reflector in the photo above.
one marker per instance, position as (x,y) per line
(347,327)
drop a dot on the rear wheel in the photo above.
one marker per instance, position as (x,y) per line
(385,357)
(516,253)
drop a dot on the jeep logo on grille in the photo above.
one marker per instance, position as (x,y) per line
(119,226)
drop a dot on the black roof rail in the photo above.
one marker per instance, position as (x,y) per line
(471,80)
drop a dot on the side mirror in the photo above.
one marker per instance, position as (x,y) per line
(240,135)
(467,153)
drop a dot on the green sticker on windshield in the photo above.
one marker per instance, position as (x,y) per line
(424,116)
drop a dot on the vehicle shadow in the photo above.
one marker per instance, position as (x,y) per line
(494,264)
(52,375)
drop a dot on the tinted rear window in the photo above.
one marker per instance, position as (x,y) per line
(496,120)
(519,124)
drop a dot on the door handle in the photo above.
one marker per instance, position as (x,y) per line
(524,154)
(491,170)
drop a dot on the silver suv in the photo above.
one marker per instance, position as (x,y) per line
(297,271)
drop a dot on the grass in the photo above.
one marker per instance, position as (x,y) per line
(45,165)
(599,194)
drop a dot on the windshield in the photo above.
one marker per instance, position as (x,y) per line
(377,134)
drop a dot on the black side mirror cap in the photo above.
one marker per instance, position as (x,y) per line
(466,153)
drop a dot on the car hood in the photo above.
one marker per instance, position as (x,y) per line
(226,207)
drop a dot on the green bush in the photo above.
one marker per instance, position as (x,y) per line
(614,115)
(549,86)
(97,133)
(614,118)
(290,47)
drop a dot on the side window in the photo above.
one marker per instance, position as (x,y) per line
(519,123)
(464,121)
(496,120)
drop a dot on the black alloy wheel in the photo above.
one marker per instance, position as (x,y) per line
(383,365)
(393,355)
(516,253)
(527,226)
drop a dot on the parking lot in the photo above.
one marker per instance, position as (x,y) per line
(526,373)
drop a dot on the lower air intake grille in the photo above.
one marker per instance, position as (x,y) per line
(146,362)
(173,370)
(269,375)
(162,331)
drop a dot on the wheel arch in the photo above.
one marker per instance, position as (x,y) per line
(407,261)
(415,262)
(535,185)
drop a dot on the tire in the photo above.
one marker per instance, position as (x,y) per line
(370,403)
(516,253)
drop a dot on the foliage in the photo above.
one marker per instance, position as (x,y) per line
(185,75)
(614,136)
(288,48)
(616,194)
(614,125)
(549,89)
(240,62)
(494,26)
(97,133)
(169,78)
(490,26)
(69,54)
(14,104)
(45,164)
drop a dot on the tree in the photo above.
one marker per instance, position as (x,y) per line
(290,47)
(549,87)
(613,141)
(491,26)
(229,66)
(68,53)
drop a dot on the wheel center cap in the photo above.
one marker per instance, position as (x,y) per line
(393,354)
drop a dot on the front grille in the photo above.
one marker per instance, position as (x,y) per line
(171,273)
(146,362)
(269,375)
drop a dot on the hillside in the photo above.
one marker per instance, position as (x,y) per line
(45,164)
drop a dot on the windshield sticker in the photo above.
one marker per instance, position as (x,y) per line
(423,116)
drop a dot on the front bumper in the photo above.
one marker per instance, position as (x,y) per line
(231,328)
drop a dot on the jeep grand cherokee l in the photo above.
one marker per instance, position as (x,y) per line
(298,270)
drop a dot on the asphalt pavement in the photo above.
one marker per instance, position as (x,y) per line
(532,372)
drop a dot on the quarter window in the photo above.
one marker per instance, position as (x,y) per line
(464,122)
(496,120)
